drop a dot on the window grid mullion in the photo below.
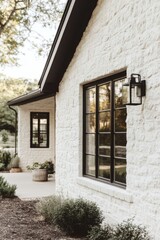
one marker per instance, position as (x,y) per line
(97,131)
(84,132)
(112,131)
(38,131)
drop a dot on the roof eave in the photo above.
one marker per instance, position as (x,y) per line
(74,21)
(28,98)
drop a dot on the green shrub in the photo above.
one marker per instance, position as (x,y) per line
(48,207)
(5,136)
(2,167)
(77,217)
(6,190)
(5,158)
(100,233)
(129,231)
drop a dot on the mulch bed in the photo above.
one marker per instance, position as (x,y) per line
(19,220)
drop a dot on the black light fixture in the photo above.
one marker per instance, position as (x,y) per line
(134,90)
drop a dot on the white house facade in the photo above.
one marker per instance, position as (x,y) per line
(105,151)
(36,132)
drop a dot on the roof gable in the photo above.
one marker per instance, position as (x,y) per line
(74,21)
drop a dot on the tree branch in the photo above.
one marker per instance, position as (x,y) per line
(3,25)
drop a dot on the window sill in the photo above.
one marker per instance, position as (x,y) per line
(112,191)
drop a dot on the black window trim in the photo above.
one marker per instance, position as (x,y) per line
(111,78)
(31,128)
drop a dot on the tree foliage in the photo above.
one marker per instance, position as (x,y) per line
(19,20)
(9,89)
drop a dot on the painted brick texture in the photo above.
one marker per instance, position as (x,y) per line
(122,34)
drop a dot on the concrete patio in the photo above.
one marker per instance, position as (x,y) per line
(28,189)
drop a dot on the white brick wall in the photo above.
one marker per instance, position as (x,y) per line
(122,34)
(29,155)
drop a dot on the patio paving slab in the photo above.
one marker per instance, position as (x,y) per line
(28,189)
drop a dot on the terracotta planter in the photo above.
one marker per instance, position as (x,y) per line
(15,170)
(40,175)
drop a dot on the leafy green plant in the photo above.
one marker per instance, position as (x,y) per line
(2,167)
(46,165)
(77,217)
(129,231)
(5,158)
(6,190)
(4,134)
(100,233)
(48,207)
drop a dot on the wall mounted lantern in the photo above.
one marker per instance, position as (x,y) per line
(134,90)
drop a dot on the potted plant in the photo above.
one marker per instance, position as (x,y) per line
(14,165)
(40,170)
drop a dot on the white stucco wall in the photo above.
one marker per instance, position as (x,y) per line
(122,34)
(29,155)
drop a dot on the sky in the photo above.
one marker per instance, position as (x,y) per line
(30,64)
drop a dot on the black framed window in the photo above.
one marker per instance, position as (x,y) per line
(104,130)
(39,130)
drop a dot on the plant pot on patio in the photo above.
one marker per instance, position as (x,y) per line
(40,175)
(41,170)
(14,165)
(15,170)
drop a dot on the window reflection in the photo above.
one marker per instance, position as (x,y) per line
(120,170)
(104,121)
(120,120)
(118,93)
(90,165)
(105,130)
(104,96)
(104,144)
(90,143)
(104,167)
(91,100)
(90,123)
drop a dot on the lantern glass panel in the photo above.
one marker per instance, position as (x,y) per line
(126,92)
(135,94)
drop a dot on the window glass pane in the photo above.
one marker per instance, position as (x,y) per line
(118,93)
(104,96)
(90,123)
(35,115)
(91,100)
(120,120)
(104,167)
(43,121)
(35,139)
(35,124)
(125,92)
(43,140)
(90,165)
(90,143)
(120,139)
(43,128)
(104,144)
(120,170)
(104,122)
(120,151)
